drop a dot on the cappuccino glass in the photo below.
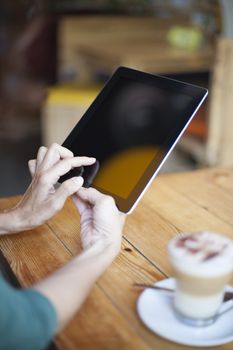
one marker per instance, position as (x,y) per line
(202,264)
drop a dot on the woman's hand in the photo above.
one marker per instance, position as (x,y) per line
(101,232)
(101,222)
(43,199)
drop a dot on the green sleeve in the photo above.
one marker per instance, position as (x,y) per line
(27,319)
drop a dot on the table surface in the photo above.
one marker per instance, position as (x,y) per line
(182,202)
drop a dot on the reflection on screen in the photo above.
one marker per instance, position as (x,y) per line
(122,171)
(128,132)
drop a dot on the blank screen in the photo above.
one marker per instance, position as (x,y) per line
(132,128)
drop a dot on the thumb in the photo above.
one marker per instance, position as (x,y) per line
(32,166)
(80,204)
(90,195)
(66,189)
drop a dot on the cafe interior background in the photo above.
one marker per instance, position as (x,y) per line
(55,57)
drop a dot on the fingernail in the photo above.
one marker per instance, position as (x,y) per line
(79,180)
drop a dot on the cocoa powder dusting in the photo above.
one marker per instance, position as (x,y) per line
(211,255)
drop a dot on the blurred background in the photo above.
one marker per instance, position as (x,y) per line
(55,56)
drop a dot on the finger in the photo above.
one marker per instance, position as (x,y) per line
(40,156)
(80,204)
(66,189)
(122,217)
(90,195)
(54,154)
(32,166)
(65,165)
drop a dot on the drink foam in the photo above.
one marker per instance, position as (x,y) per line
(202,253)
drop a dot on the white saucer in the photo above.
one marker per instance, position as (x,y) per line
(156,311)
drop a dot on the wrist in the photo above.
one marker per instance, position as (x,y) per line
(105,246)
(102,251)
(10,221)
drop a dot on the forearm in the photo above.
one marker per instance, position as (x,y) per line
(67,288)
(27,319)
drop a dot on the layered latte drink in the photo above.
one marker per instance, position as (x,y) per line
(203,264)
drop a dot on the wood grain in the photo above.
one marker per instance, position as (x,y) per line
(128,268)
(108,320)
(173,212)
(220,141)
(215,195)
(33,255)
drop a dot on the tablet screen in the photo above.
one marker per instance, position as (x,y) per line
(129,129)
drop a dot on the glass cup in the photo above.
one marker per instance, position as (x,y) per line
(202,264)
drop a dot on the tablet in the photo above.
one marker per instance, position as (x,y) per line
(131,128)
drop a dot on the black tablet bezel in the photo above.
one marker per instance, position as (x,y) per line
(197,93)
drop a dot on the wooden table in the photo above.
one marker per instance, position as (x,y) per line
(92,44)
(145,56)
(108,320)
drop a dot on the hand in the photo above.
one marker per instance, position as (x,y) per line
(42,199)
(101,232)
(101,222)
